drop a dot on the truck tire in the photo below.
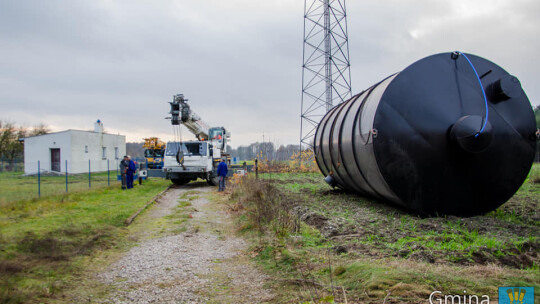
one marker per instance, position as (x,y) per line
(213,181)
(179,181)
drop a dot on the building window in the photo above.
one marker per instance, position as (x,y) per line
(86,149)
(104,152)
(116,156)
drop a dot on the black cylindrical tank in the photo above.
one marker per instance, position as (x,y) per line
(453,134)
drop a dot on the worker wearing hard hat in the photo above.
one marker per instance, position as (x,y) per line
(222,174)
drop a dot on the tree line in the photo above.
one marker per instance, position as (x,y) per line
(261,150)
(264,150)
(11,135)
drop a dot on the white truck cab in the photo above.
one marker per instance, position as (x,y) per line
(187,161)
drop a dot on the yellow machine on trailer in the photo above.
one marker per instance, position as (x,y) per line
(154,150)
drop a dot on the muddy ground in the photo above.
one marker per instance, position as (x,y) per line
(509,236)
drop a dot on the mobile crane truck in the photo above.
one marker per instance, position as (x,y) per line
(185,161)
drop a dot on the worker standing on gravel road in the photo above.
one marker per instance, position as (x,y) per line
(130,172)
(124,164)
(222,173)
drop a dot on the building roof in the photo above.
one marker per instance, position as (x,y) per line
(72,130)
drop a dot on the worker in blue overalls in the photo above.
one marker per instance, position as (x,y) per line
(130,172)
(124,164)
(222,173)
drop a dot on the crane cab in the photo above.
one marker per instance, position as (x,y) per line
(187,161)
(219,137)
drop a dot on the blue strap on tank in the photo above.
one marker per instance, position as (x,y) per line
(483,94)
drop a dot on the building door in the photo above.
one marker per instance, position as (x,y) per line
(55,160)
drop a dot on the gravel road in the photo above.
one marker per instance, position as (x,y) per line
(204,264)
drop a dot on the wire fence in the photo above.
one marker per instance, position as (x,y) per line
(19,181)
(8,165)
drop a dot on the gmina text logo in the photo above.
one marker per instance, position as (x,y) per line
(437,297)
(507,295)
(516,295)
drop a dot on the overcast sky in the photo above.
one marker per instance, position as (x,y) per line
(67,63)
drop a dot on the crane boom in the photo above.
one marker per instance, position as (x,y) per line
(182,114)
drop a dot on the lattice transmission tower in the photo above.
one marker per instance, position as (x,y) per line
(326,76)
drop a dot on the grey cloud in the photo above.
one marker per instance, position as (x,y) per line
(68,63)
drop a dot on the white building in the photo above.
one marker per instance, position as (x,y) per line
(83,150)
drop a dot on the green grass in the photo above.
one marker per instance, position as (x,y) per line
(410,282)
(44,242)
(390,230)
(15,187)
(374,250)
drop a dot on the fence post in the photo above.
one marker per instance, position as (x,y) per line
(108,174)
(66,178)
(39,178)
(256,168)
(89,176)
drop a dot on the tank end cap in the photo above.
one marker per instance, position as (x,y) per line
(507,87)
(465,133)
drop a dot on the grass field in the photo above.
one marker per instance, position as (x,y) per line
(44,243)
(339,245)
(317,244)
(15,187)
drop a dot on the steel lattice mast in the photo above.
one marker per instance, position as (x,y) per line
(326,76)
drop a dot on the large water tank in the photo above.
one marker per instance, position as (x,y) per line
(453,134)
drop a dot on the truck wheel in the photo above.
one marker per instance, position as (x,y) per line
(213,181)
(179,181)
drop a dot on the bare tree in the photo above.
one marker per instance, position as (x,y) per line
(11,148)
(39,129)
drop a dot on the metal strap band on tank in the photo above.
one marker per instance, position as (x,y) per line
(376,194)
(323,123)
(315,146)
(331,144)
(331,118)
(340,149)
(317,149)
